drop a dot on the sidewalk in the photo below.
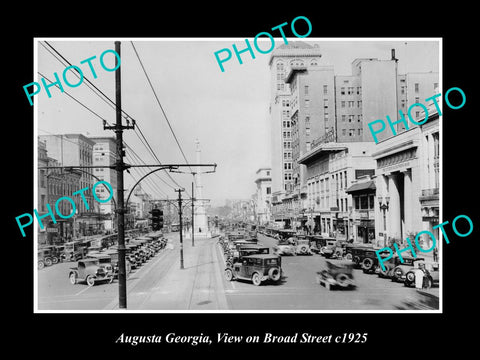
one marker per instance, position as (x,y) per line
(197,287)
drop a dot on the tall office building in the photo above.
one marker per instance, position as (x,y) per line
(297,55)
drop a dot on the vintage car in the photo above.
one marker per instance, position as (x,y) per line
(432,273)
(399,271)
(356,252)
(256,268)
(338,273)
(285,247)
(91,271)
(333,248)
(245,250)
(55,252)
(44,258)
(104,260)
(130,255)
(73,251)
(113,255)
(316,243)
(302,247)
(369,260)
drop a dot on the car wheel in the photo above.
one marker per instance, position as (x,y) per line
(342,280)
(356,260)
(428,283)
(228,274)
(48,262)
(349,257)
(367,264)
(90,280)
(55,260)
(40,264)
(338,254)
(303,250)
(73,278)
(274,274)
(110,280)
(256,279)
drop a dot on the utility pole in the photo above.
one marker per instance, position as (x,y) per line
(120,167)
(193,216)
(181,225)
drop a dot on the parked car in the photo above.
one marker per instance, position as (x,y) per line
(55,252)
(44,258)
(256,268)
(356,252)
(399,272)
(432,273)
(302,247)
(330,249)
(285,247)
(338,273)
(113,254)
(316,243)
(91,271)
(104,260)
(369,263)
(73,251)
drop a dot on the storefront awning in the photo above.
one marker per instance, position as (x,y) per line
(368,185)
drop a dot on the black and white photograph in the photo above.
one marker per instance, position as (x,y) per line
(289,182)
(240,183)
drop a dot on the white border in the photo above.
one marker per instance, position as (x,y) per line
(306,39)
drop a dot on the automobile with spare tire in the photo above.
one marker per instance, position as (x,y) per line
(257,268)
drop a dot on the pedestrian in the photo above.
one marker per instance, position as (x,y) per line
(435,254)
(419,275)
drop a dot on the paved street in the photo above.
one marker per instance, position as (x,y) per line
(160,285)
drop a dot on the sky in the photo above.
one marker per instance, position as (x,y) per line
(226,111)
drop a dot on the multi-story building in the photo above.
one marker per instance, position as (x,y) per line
(104,154)
(331,168)
(262,196)
(341,113)
(74,150)
(42,192)
(282,60)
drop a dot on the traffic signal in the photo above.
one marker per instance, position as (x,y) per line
(157,219)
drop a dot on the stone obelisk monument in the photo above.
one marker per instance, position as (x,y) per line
(200,216)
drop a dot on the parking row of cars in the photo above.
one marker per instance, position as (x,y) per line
(101,265)
(360,256)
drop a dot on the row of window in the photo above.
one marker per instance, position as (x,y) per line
(350,90)
(352,132)
(351,104)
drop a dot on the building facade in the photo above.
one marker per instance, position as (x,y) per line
(331,168)
(262,197)
(104,154)
(74,150)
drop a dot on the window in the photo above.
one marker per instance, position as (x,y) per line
(351,104)
(359,118)
(359,90)
(342,104)
(371,202)
(344,132)
(306,89)
(417,100)
(359,103)
(342,91)
(359,132)
(307,103)
(351,118)
(350,90)
(417,87)
(307,131)
(363,202)
(325,103)
(269,189)
(268,173)
(351,132)
(344,118)
(357,202)
(325,89)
